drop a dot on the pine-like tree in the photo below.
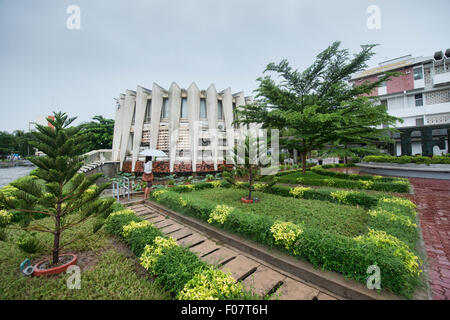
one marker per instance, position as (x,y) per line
(312,108)
(70,198)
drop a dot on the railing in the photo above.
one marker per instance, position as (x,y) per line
(123,185)
(102,155)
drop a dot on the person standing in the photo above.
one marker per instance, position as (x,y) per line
(148,176)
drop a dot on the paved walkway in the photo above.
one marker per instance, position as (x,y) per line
(256,276)
(432,198)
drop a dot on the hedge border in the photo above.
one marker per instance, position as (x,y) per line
(349,256)
(185,265)
(436,159)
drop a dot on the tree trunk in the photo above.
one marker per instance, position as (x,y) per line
(57,235)
(303,154)
(250,181)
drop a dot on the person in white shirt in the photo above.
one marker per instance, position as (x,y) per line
(148,176)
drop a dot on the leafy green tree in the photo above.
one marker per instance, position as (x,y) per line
(99,133)
(364,126)
(7,143)
(59,192)
(311,108)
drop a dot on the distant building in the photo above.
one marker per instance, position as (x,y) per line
(420,96)
(178,122)
(41,120)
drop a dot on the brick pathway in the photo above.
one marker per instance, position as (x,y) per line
(260,278)
(432,198)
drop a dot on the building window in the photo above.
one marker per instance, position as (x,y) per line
(419,99)
(418,73)
(148,111)
(220,110)
(419,122)
(382,84)
(165,109)
(203,113)
(184,108)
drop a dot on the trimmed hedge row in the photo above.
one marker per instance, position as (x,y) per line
(352,197)
(176,269)
(342,175)
(409,159)
(348,256)
(396,186)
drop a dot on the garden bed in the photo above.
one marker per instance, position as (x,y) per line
(336,236)
(108,270)
(317,176)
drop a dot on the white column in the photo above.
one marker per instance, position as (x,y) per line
(193,102)
(141,104)
(211,106)
(117,138)
(174,121)
(157,100)
(227,103)
(240,101)
(126,128)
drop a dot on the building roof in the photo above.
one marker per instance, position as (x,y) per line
(390,65)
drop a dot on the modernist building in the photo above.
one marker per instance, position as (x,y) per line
(420,96)
(192,126)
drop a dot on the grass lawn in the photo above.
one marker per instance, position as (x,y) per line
(108,270)
(340,219)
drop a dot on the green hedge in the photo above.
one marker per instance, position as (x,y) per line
(348,256)
(395,186)
(409,159)
(353,197)
(342,175)
(176,268)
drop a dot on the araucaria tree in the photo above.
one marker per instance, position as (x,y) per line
(249,157)
(315,107)
(58,191)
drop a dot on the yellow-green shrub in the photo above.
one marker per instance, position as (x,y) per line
(211,284)
(298,192)
(286,233)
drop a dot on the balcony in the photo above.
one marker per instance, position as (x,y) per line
(441,79)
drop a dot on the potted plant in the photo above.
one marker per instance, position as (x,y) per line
(188,180)
(209,177)
(56,191)
(247,166)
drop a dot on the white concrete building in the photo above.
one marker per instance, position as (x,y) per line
(420,96)
(192,126)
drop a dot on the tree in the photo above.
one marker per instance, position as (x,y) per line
(7,143)
(99,133)
(59,191)
(311,108)
(248,163)
(364,126)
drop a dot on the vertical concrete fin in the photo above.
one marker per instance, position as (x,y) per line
(227,103)
(211,106)
(141,104)
(117,138)
(193,101)
(127,117)
(174,121)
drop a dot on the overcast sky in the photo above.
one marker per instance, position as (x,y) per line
(44,66)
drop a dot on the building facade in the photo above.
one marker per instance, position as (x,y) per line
(420,96)
(193,127)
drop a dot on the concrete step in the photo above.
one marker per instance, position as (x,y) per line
(263,281)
